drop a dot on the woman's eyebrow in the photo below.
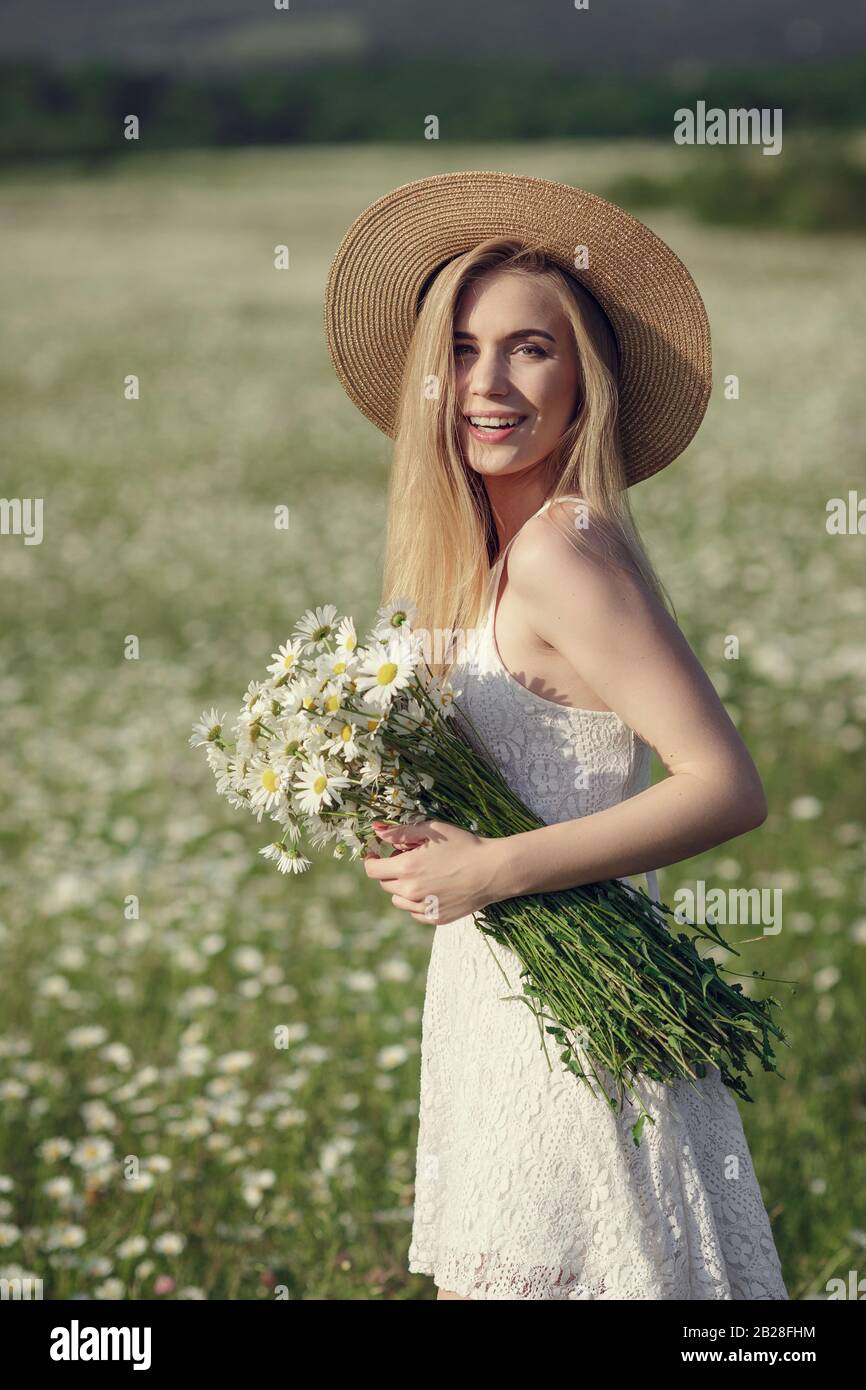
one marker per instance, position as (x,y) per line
(518,333)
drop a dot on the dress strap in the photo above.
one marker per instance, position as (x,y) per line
(504,551)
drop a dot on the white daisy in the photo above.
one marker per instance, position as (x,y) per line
(344,744)
(110,1290)
(69,1237)
(218,759)
(88,1035)
(307,691)
(317,625)
(320,832)
(286,699)
(350,841)
(91,1152)
(240,801)
(255,700)
(248,739)
(53,1149)
(395,616)
(393,1056)
(57,1187)
(233,1062)
(143,1183)
(371,769)
(131,1248)
(286,817)
(262,1177)
(225,773)
(396,800)
(385,670)
(336,666)
(441,693)
(413,716)
(158,1163)
(286,755)
(208,729)
(319,734)
(347,639)
(289,858)
(284,661)
(169,1243)
(318,786)
(331,698)
(265,786)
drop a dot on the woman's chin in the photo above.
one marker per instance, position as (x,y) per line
(496,459)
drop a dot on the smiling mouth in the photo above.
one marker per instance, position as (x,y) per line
(493,426)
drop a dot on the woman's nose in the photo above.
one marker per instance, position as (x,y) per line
(488,374)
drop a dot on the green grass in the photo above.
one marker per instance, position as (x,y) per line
(158,523)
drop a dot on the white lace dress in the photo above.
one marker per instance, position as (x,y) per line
(527,1185)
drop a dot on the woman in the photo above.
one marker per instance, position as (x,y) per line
(535,351)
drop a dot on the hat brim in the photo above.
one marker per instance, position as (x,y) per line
(394,247)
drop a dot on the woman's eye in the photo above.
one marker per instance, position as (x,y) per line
(460,349)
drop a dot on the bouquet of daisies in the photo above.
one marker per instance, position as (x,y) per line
(343,734)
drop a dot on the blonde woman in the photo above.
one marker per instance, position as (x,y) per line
(535,351)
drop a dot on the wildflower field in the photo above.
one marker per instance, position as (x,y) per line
(208,1069)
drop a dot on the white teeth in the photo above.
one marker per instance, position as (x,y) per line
(483,422)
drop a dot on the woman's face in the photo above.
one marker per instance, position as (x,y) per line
(516,366)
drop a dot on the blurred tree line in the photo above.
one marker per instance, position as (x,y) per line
(79,113)
(816,187)
(47,111)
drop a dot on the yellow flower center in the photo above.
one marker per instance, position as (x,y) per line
(350,643)
(270,780)
(386,673)
(332,703)
(288,660)
(346,733)
(339,667)
(320,784)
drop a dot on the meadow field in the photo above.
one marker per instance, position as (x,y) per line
(155,1142)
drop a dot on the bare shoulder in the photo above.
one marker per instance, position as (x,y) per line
(611,627)
(562,563)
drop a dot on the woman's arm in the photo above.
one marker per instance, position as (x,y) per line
(617,634)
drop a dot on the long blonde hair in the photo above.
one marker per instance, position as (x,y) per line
(441,535)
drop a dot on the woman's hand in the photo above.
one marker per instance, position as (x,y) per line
(438,872)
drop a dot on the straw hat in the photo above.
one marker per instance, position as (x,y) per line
(393,249)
